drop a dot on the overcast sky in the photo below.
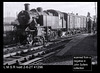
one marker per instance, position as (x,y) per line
(11,9)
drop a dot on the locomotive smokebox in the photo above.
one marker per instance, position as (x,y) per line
(26,7)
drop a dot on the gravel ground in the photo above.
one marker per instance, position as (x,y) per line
(88,46)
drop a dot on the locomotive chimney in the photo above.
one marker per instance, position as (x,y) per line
(76,13)
(26,7)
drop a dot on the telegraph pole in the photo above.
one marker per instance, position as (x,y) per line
(95,18)
(95,9)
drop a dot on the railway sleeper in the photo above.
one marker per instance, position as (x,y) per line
(30,57)
(18,53)
(25,59)
(17,62)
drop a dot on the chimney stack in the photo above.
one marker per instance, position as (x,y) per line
(76,13)
(26,7)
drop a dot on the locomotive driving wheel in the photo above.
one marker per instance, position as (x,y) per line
(39,40)
(30,39)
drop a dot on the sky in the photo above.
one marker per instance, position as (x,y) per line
(11,9)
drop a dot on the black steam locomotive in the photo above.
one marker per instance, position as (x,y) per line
(40,26)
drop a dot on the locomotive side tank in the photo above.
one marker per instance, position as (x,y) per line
(59,16)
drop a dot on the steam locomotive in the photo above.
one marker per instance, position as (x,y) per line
(40,26)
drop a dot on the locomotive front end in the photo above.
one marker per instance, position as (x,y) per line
(27,22)
(25,16)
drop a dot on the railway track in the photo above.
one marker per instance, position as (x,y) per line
(22,51)
(39,59)
(35,54)
(13,49)
(19,57)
